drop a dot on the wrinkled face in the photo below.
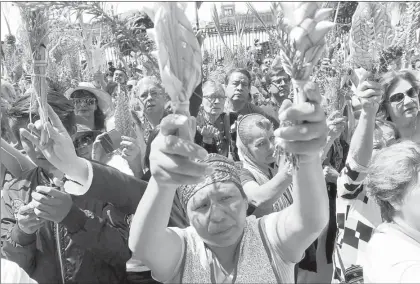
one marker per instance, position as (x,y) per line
(403,102)
(213,101)
(237,88)
(409,207)
(218,213)
(152,97)
(261,146)
(119,77)
(85,103)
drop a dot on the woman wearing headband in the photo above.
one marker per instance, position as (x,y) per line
(222,245)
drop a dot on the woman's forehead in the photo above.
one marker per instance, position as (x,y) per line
(401,86)
(215,189)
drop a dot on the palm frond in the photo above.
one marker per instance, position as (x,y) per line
(217,24)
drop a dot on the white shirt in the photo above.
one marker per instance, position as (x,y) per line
(12,273)
(393,255)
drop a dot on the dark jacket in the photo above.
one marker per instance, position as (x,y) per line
(89,246)
(125,192)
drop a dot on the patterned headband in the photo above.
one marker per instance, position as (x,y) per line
(224,170)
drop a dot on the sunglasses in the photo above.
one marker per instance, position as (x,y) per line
(87,101)
(85,140)
(399,97)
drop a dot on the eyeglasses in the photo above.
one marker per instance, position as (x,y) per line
(87,101)
(213,99)
(399,97)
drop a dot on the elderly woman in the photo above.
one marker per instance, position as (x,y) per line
(393,253)
(222,245)
(266,187)
(400,103)
(214,124)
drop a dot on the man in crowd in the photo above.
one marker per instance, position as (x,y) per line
(238,86)
(279,85)
(54,236)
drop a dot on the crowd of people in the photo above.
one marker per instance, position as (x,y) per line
(91,205)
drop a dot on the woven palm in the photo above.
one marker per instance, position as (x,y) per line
(178,53)
(371,32)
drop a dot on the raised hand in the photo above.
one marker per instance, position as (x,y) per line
(172,158)
(59,149)
(370,94)
(308,138)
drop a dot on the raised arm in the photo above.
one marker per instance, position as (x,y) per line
(361,146)
(297,226)
(151,242)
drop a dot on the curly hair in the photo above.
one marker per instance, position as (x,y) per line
(392,172)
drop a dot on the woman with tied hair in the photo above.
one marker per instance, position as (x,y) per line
(400,103)
(223,245)
(213,124)
(393,253)
(268,188)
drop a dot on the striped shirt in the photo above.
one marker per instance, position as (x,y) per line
(357,217)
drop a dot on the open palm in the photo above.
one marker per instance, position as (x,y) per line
(59,149)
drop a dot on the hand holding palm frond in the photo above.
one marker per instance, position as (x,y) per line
(306,26)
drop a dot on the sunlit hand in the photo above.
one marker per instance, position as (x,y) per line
(172,158)
(59,149)
(306,139)
(370,94)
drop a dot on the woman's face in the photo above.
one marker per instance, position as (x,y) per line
(262,146)
(218,213)
(213,101)
(85,103)
(403,102)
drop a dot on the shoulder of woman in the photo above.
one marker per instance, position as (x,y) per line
(246,176)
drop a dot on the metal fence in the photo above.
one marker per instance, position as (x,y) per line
(214,45)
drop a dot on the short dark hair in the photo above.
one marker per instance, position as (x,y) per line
(26,105)
(238,70)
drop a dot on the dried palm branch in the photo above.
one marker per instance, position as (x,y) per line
(35,17)
(179,56)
